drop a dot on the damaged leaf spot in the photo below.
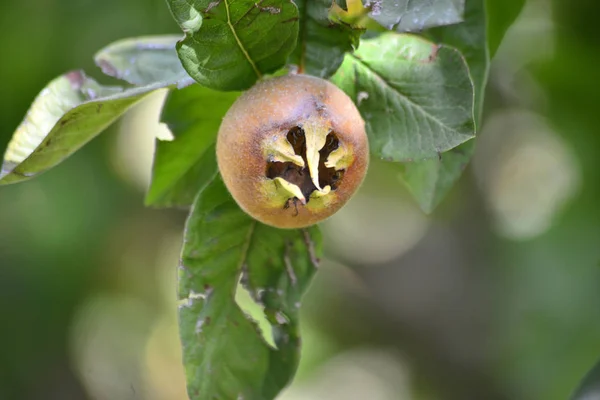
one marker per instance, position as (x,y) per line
(108,69)
(270,10)
(211,5)
(434,53)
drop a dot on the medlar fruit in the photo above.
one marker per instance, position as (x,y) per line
(292,150)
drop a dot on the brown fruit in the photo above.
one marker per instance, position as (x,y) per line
(292,150)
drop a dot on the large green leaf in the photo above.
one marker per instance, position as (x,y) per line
(430,180)
(415,15)
(143,60)
(74,108)
(470,37)
(416,97)
(229,44)
(68,113)
(187,163)
(322,43)
(224,353)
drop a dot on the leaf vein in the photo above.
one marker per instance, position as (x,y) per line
(239,42)
(405,98)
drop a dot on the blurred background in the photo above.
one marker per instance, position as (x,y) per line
(495,296)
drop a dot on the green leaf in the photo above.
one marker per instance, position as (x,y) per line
(415,15)
(416,97)
(501,15)
(230,44)
(143,60)
(225,355)
(484,27)
(322,43)
(470,37)
(430,180)
(187,163)
(67,114)
(73,108)
(589,389)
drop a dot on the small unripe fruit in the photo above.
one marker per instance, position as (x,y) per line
(292,150)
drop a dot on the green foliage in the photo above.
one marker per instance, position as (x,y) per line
(143,61)
(411,16)
(322,44)
(416,97)
(470,37)
(225,355)
(67,114)
(500,16)
(430,180)
(229,44)
(186,164)
(421,99)
(74,108)
(589,388)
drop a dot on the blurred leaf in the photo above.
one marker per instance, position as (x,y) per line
(470,37)
(143,60)
(589,389)
(230,44)
(68,113)
(73,108)
(224,354)
(322,43)
(416,97)
(430,180)
(415,15)
(186,164)
(501,15)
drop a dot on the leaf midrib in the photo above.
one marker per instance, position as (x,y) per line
(239,42)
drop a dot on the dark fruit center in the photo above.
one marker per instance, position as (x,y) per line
(300,176)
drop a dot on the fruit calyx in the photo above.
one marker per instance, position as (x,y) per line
(308,161)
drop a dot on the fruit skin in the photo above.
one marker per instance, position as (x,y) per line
(265,114)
